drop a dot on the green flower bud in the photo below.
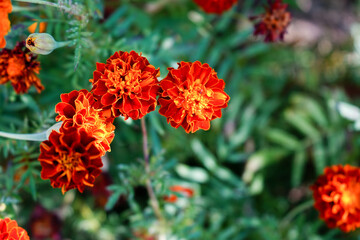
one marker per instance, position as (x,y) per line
(43,43)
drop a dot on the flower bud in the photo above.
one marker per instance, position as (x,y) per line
(41,43)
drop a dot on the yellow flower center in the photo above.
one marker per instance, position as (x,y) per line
(69,162)
(195,99)
(16,67)
(351,197)
(125,82)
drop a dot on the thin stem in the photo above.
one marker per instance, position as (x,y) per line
(46,3)
(295,211)
(153,200)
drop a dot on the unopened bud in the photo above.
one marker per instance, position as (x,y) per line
(43,43)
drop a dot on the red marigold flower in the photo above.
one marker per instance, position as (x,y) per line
(20,68)
(44,224)
(192,96)
(215,6)
(125,85)
(337,197)
(273,22)
(5,9)
(70,159)
(9,230)
(188,192)
(76,109)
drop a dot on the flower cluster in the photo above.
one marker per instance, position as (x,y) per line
(9,230)
(5,9)
(215,6)
(126,85)
(274,22)
(20,68)
(337,197)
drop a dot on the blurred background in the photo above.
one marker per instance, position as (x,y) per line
(250,173)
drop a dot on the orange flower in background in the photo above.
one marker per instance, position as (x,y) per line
(20,67)
(76,109)
(126,85)
(41,28)
(187,192)
(70,159)
(215,6)
(9,230)
(337,197)
(192,96)
(5,9)
(273,22)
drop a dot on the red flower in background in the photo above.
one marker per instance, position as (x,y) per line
(76,109)
(337,197)
(273,22)
(126,85)
(44,224)
(215,6)
(5,9)
(192,96)
(100,192)
(9,230)
(20,67)
(70,159)
(188,192)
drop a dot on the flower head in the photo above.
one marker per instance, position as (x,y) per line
(125,85)
(70,159)
(76,109)
(20,67)
(9,230)
(44,224)
(192,96)
(273,22)
(5,9)
(215,6)
(337,197)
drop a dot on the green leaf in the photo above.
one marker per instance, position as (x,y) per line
(298,168)
(283,138)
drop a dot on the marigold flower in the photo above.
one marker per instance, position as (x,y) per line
(20,67)
(192,96)
(44,224)
(42,27)
(215,6)
(5,9)
(76,109)
(273,22)
(70,159)
(125,85)
(9,230)
(337,197)
(188,192)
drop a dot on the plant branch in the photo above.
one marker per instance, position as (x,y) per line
(153,200)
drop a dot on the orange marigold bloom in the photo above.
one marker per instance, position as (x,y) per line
(126,85)
(215,6)
(76,109)
(20,67)
(70,159)
(192,96)
(188,192)
(9,230)
(337,197)
(273,22)
(5,9)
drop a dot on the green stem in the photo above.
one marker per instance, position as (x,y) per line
(37,137)
(295,211)
(47,3)
(153,200)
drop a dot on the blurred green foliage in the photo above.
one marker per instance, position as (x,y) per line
(250,172)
